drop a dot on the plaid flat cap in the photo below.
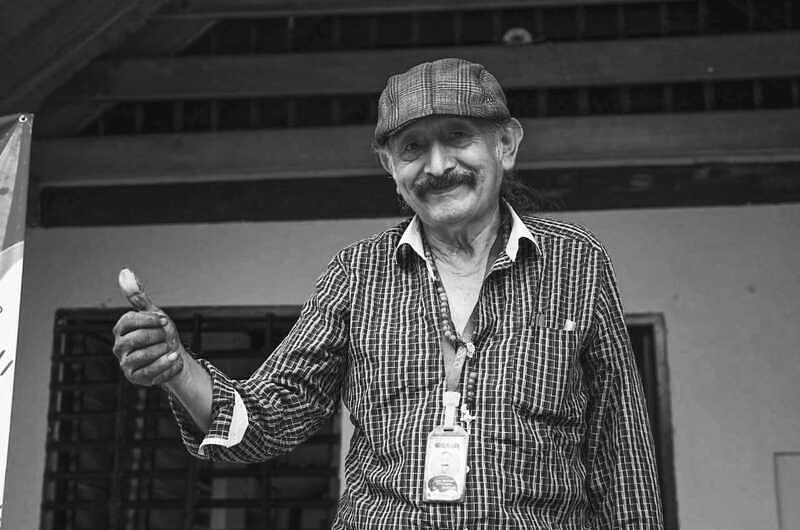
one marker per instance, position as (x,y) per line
(445,86)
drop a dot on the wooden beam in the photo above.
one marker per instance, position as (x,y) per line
(268,8)
(545,65)
(371,196)
(59,44)
(62,115)
(660,139)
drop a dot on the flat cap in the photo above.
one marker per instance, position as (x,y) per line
(445,86)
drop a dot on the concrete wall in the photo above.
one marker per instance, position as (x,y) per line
(726,279)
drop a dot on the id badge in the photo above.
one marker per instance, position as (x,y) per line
(445,465)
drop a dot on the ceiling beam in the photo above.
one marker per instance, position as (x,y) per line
(662,139)
(561,189)
(269,8)
(59,44)
(631,61)
(62,115)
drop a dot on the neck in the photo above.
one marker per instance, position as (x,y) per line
(464,241)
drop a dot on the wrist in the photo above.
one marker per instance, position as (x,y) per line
(183,379)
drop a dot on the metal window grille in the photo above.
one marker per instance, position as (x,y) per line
(114,458)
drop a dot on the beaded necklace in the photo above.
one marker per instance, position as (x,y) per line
(463,345)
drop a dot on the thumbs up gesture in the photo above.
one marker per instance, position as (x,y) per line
(146,341)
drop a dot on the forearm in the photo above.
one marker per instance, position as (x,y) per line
(192,386)
(283,402)
(621,478)
(621,473)
(251,420)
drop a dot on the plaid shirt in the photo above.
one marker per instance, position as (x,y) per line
(561,438)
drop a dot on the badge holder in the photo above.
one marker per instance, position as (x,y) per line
(446,457)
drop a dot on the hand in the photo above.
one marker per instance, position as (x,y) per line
(146,342)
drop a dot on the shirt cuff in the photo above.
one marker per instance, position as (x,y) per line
(239,421)
(228,422)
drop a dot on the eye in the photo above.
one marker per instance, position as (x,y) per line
(459,136)
(410,150)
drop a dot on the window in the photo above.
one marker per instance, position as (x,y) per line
(114,457)
(648,338)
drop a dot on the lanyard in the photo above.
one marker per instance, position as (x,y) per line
(453,361)
(456,351)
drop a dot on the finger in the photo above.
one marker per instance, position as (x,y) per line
(133,290)
(139,339)
(142,357)
(173,370)
(133,320)
(173,336)
(148,373)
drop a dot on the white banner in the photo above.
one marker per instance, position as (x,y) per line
(15,137)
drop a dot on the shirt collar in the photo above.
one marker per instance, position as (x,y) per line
(413,238)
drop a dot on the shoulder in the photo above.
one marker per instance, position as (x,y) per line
(374,248)
(547,228)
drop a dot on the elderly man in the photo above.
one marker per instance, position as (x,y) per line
(482,356)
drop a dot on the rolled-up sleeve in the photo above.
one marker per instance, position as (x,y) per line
(622,482)
(290,395)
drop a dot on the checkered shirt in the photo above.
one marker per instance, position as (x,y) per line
(561,438)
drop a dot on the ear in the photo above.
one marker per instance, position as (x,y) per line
(510,137)
(386,161)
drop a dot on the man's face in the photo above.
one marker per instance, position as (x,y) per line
(449,168)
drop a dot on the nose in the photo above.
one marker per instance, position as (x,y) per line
(439,159)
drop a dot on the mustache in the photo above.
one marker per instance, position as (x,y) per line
(452,177)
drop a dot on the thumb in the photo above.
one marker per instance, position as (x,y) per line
(133,290)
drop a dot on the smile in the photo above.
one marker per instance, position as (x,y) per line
(445,190)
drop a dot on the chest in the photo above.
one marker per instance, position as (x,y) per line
(463,291)
(395,364)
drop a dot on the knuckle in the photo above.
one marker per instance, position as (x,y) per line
(131,360)
(124,323)
(119,348)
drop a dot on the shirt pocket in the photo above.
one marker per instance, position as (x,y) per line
(541,370)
